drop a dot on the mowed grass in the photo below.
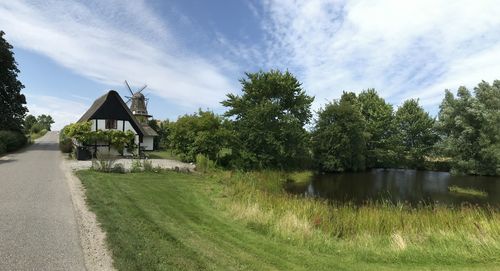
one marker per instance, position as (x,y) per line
(174,221)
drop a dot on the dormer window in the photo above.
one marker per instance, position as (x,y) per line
(111,124)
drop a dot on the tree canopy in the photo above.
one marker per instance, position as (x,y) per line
(263,127)
(339,139)
(470,129)
(415,133)
(29,121)
(12,109)
(45,121)
(199,133)
(269,119)
(379,129)
(34,124)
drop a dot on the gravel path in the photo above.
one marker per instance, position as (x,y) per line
(38,228)
(93,238)
(127,164)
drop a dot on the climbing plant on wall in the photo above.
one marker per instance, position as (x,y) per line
(82,132)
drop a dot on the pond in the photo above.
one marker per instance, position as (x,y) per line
(401,185)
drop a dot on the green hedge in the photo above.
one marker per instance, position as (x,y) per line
(65,143)
(11,141)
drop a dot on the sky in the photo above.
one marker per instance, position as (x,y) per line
(192,53)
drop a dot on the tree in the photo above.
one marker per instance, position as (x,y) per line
(416,135)
(269,119)
(45,121)
(379,131)
(37,128)
(488,98)
(199,133)
(339,139)
(29,121)
(12,109)
(470,129)
(164,131)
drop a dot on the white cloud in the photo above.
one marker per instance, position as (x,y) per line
(402,48)
(112,41)
(63,111)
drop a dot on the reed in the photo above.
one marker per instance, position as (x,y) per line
(467,191)
(383,228)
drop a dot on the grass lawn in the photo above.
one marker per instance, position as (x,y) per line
(34,136)
(175,221)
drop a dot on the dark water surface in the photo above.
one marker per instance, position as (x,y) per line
(398,185)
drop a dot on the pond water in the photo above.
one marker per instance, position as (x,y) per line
(399,185)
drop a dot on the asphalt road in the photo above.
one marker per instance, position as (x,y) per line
(38,230)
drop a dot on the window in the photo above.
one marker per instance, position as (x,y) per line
(111,124)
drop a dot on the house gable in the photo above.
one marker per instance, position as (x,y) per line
(112,106)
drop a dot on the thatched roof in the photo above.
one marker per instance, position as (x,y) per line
(112,106)
(149,131)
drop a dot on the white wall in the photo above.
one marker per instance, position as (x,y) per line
(147,143)
(101,125)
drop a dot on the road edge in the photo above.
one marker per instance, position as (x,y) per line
(97,255)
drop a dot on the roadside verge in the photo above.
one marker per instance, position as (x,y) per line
(92,237)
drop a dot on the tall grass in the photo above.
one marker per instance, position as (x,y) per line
(383,228)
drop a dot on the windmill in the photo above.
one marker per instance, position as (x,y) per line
(138,103)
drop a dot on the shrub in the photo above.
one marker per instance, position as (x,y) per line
(202,132)
(66,145)
(203,164)
(118,168)
(37,128)
(105,162)
(136,165)
(11,141)
(65,142)
(3,148)
(148,166)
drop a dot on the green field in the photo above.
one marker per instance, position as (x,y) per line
(174,221)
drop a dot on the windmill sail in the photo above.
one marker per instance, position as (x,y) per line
(138,103)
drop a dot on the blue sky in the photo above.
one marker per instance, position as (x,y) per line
(191,53)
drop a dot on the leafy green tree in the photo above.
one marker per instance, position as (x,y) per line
(164,131)
(45,121)
(199,133)
(37,128)
(488,98)
(29,121)
(12,109)
(339,138)
(380,130)
(470,129)
(269,119)
(416,134)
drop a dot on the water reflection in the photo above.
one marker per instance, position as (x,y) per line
(396,185)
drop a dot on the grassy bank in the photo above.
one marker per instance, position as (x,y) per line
(243,221)
(34,136)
